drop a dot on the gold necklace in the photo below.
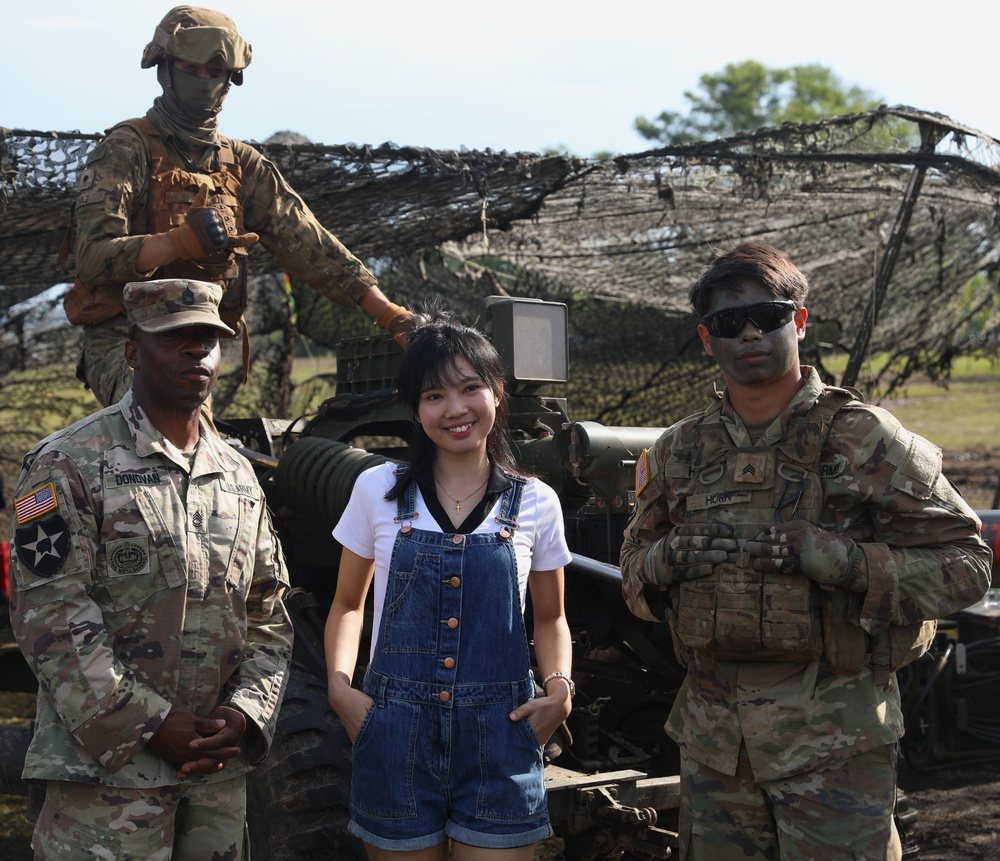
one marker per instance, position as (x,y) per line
(458,502)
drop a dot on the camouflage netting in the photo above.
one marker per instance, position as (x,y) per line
(620,241)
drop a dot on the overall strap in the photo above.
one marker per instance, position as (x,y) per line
(510,504)
(406,504)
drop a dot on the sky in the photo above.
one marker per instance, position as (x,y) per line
(508,75)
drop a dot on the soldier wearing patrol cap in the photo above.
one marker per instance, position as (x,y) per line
(147,596)
(800,544)
(166,195)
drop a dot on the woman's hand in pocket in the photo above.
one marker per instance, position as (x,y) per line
(545,714)
(351,706)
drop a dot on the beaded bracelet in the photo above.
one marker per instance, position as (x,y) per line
(559,674)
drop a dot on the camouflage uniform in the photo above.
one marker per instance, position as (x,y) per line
(142,583)
(112,222)
(818,743)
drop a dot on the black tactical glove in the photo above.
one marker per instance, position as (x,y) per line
(206,230)
(692,550)
(801,547)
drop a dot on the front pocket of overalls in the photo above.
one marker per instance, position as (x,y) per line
(384,753)
(511,767)
(411,620)
(365,721)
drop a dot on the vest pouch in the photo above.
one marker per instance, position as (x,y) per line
(720,614)
(88,305)
(681,652)
(738,614)
(790,619)
(695,624)
(738,609)
(845,645)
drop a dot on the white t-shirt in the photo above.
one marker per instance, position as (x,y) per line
(367,528)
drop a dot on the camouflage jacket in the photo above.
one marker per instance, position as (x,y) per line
(140,584)
(883,487)
(111,217)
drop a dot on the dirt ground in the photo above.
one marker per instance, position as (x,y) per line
(958,811)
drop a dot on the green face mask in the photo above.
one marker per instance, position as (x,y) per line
(197,95)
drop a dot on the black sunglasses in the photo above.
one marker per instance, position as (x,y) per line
(766,316)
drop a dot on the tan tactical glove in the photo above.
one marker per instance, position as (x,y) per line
(690,551)
(206,230)
(398,322)
(801,547)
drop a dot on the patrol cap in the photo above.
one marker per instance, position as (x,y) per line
(173,303)
(199,35)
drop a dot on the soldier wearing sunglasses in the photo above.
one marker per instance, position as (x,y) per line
(800,544)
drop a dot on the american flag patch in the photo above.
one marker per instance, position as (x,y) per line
(642,472)
(36,504)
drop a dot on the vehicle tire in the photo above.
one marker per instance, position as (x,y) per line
(297,798)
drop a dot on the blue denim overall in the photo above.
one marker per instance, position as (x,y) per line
(437,755)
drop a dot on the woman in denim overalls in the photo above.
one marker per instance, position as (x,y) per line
(448,732)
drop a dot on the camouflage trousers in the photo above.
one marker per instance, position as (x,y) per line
(189,822)
(838,812)
(104,366)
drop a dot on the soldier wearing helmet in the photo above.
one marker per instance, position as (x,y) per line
(167,196)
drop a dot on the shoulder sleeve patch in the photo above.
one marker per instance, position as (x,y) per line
(35,504)
(642,472)
(43,547)
(919,466)
(97,153)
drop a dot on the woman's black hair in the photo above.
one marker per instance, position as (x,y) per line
(429,361)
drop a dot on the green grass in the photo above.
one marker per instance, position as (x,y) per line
(959,416)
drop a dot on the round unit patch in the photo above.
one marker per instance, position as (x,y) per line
(128,557)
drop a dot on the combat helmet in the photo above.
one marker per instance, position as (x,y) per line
(199,35)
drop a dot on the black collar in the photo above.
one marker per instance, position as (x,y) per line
(498,483)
